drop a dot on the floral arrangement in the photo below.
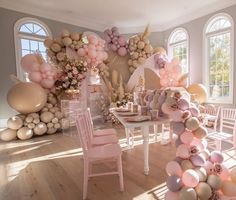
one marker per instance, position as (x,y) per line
(71,75)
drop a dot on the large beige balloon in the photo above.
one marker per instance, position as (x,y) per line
(199,91)
(27,97)
(8,135)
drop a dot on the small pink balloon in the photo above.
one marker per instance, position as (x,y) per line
(200,144)
(113,47)
(91,46)
(107,38)
(173,168)
(28,61)
(92,53)
(209,166)
(186,137)
(35,67)
(44,67)
(183,104)
(105,55)
(194,111)
(47,83)
(224,174)
(122,51)
(216,157)
(177,115)
(81,52)
(35,76)
(183,151)
(166,109)
(162,72)
(190,178)
(121,41)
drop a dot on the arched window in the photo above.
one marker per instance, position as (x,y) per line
(29,36)
(218,58)
(178,47)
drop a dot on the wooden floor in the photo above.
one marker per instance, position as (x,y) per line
(51,168)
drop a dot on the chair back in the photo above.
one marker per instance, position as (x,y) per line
(82,130)
(228,119)
(212,110)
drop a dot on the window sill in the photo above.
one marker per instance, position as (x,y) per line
(220,101)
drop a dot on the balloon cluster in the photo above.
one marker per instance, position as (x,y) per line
(48,120)
(39,71)
(160,60)
(170,74)
(87,45)
(115,41)
(93,50)
(195,174)
(140,49)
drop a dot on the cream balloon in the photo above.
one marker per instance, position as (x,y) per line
(8,135)
(40,128)
(27,97)
(24,133)
(14,123)
(199,91)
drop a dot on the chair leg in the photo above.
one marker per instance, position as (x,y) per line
(120,171)
(155,127)
(218,145)
(86,175)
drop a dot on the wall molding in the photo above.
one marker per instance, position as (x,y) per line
(92,23)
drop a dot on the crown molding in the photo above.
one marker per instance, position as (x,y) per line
(75,19)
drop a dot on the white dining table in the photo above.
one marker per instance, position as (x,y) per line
(144,126)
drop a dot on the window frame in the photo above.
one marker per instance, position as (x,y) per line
(171,46)
(18,36)
(206,71)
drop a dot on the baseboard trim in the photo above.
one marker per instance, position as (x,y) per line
(3,123)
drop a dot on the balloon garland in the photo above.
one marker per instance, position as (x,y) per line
(115,41)
(195,173)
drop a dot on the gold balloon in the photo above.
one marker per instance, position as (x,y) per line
(199,91)
(27,97)
(160,50)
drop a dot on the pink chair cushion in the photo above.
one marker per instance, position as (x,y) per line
(106,139)
(108,131)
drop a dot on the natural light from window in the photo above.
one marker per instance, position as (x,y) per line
(218,59)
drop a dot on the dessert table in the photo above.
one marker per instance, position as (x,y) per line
(144,126)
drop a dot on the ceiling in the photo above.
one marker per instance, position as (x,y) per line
(128,15)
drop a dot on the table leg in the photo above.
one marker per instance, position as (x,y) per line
(127,137)
(145,133)
(155,128)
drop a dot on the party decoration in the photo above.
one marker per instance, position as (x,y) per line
(24,133)
(190,178)
(26,97)
(198,92)
(14,122)
(39,71)
(8,135)
(203,173)
(115,41)
(140,49)
(203,191)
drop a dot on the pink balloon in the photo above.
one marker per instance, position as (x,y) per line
(224,174)
(35,76)
(173,168)
(200,144)
(44,67)
(92,53)
(209,167)
(91,46)
(105,55)
(107,38)
(122,51)
(121,41)
(186,137)
(177,115)
(35,67)
(28,61)
(162,71)
(172,195)
(190,178)
(166,109)
(183,151)
(47,83)
(81,52)
(216,157)
(113,47)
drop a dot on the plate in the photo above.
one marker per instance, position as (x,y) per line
(122,110)
(138,119)
(128,114)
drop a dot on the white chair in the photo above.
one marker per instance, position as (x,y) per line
(211,116)
(227,128)
(94,154)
